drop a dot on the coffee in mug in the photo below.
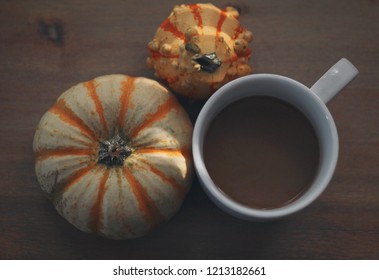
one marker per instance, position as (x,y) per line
(261,152)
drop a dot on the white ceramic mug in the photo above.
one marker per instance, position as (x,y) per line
(309,101)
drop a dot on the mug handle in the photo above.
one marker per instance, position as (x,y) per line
(334,80)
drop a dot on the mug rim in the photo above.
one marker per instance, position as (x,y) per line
(221,199)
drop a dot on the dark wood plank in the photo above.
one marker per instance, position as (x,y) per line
(46,47)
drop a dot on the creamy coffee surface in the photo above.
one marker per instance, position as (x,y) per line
(262,152)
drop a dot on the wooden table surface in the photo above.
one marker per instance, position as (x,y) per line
(48,46)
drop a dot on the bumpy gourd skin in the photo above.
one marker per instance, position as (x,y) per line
(113,154)
(198,30)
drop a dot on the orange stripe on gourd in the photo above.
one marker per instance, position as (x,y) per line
(220,23)
(239,29)
(195,10)
(157,55)
(169,27)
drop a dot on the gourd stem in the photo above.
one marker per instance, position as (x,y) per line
(208,62)
(114,151)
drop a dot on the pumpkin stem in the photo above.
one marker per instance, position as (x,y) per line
(114,151)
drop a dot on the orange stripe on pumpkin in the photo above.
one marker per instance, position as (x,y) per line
(77,176)
(180,190)
(169,27)
(125,226)
(150,119)
(184,152)
(43,154)
(76,139)
(149,210)
(68,116)
(90,85)
(195,10)
(159,151)
(127,87)
(96,212)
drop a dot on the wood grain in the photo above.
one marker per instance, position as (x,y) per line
(48,46)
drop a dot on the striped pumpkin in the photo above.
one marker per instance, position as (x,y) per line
(113,155)
(200,47)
